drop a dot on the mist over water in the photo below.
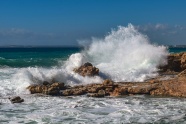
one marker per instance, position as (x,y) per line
(124,55)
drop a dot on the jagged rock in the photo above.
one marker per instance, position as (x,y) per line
(16,99)
(49,89)
(175,63)
(175,87)
(87,70)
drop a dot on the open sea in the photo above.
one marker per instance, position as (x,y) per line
(127,57)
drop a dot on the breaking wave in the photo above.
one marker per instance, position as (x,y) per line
(124,55)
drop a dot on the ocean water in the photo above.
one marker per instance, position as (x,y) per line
(123,55)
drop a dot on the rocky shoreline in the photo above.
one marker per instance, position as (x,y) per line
(173,86)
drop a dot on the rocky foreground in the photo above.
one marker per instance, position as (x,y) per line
(174,85)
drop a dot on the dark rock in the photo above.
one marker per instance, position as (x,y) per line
(46,83)
(87,64)
(16,99)
(175,63)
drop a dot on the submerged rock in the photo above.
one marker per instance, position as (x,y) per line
(16,99)
(87,70)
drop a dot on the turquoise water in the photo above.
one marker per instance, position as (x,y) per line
(43,57)
(21,67)
(31,57)
(177,50)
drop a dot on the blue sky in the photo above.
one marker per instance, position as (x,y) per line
(64,22)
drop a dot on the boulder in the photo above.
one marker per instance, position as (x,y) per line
(47,88)
(16,99)
(87,70)
(175,63)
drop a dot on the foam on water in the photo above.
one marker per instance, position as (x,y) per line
(15,80)
(125,55)
(80,109)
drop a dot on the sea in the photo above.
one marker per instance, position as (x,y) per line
(123,55)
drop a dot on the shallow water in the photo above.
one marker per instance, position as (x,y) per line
(81,109)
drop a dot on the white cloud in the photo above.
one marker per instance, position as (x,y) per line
(164,33)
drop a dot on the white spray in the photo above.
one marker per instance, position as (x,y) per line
(123,55)
(126,55)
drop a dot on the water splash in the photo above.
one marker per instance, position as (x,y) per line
(126,55)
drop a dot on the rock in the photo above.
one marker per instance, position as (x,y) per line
(183,61)
(174,87)
(16,99)
(67,92)
(49,89)
(46,83)
(94,88)
(87,64)
(175,63)
(108,83)
(183,73)
(101,93)
(159,86)
(60,86)
(87,70)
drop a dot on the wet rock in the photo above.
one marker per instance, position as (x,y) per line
(108,82)
(94,88)
(35,89)
(46,83)
(175,63)
(60,86)
(101,93)
(16,99)
(67,92)
(49,89)
(87,70)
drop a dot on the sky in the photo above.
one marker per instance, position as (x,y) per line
(65,22)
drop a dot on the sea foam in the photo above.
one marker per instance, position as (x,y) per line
(124,55)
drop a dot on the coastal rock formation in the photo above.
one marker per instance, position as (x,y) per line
(175,86)
(172,87)
(175,63)
(16,99)
(87,70)
(49,89)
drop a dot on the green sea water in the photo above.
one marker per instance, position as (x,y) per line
(39,56)
(43,56)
